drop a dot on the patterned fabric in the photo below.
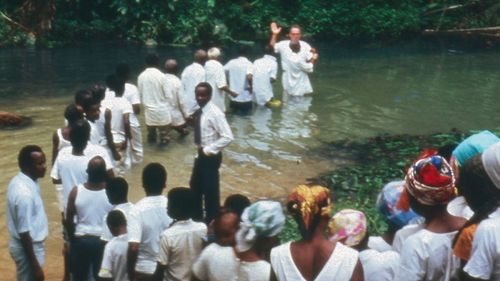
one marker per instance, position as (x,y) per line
(430,181)
(309,201)
(473,145)
(387,205)
(261,219)
(348,225)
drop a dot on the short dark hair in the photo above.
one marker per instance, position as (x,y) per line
(268,50)
(81,96)
(123,71)
(79,134)
(95,100)
(237,203)
(154,178)
(24,158)
(98,92)
(116,218)
(72,114)
(117,190)
(115,84)
(205,85)
(181,203)
(243,50)
(152,60)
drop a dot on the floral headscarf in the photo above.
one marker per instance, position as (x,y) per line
(387,205)
(348,224)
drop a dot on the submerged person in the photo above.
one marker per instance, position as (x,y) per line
(239,71)
(216,77)
(191,76)
(313,257)
(25,216)
(427,254)
(178,108)
(264,73)
(295,79)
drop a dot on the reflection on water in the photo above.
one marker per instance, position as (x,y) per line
(357,93)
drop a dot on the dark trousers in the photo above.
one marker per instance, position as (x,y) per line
(242,108)
(85,253)
(205,185)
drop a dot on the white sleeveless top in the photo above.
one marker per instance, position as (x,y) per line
(339,266)
(91,207)
(62,142)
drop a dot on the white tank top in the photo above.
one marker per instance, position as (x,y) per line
(91,207)
(339,266)
(62,142)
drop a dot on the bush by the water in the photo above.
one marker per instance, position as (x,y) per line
(373,163)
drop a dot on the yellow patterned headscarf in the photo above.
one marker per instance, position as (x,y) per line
(309,201)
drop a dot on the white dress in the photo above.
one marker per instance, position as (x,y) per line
(379,266)
(339,267)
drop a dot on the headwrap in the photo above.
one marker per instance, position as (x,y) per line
(347,224)
(430,181)
(309,201)
(386,205)
(474,144)
(261,219)
(491,163)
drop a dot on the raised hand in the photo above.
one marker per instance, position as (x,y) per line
(275,29)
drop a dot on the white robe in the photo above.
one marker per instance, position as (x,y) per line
(155,97)
(217,79)
(192,75)
(178,107)
(295,79)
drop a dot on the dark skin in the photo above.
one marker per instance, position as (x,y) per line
(116,231)
(310,256)
(55,141)
(437,219)
(35,171)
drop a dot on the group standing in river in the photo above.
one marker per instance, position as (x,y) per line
(433,234)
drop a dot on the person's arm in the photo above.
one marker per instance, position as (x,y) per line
(55,146)
(69,222)
(225,135)
(109,135)
(27,244)
(275,32)
(357,274)
(132,252)
(228,91)
(126,123)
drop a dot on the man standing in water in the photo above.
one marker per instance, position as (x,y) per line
(211,135)
(191,76)
(26,217)
(216,77)
(283,48)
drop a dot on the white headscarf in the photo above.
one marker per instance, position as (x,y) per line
(261,219)
(491,163)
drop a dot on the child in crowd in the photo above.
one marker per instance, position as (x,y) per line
(117,192)
(182,242)
(349,227)
(480,185)
(313,257)
(60,138)
(427,255)
(146,221)
(114,260)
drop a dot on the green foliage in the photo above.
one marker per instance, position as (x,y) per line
(374,162)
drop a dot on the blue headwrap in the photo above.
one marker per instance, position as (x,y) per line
(473,145)
(386,205)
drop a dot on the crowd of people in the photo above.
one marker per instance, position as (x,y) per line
(443,218)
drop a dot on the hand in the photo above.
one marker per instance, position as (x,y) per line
(315,56)
(233,94)
(116,156)
(38,272)
(275,30)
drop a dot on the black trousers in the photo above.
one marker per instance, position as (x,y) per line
(242,108)
(205,185)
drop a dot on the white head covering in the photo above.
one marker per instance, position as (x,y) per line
(491,163)
(261,219)
(213,53)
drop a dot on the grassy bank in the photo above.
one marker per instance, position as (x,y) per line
(373,163)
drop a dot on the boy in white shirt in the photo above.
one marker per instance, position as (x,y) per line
(117,192)
(182,242)
(114,260)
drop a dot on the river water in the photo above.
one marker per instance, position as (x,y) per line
(413,88)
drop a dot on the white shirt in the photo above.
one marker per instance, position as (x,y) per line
(131,94)
(180,246)
(264,70)
(119,106)
(62,142)
(114,259)
(192,75)
(216,76)
(91,207)
(485,256)
(379,266)
(403,234)
(154,92)
(97,131)
(237,70)
(146,221)
(217,263)
(178,107)
(215,131)
(378,243)
(339,267)
(25,210)
(283,48)
(72,169)
(295,79)
(125,209)
(428,256)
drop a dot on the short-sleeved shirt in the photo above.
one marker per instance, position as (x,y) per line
(218,263)
(191,76)
(154,94)
(263,71)
(485,258)
(379,266)
(114,259)
(428,256)
(216,76)
(125,209)
(132,95)
(119,106)
(237,70)
(25,210)
(180,246)
(378,243)
(146,221)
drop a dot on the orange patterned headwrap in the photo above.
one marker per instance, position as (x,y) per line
(310,201)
